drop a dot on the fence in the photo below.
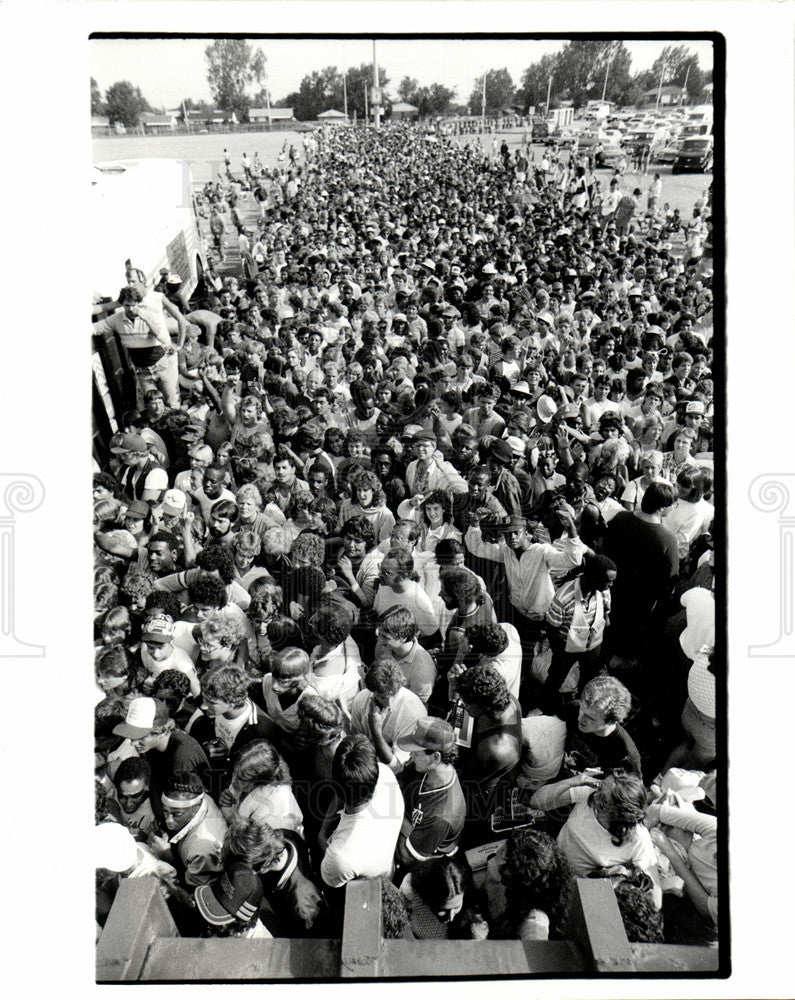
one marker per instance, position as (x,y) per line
(140,943)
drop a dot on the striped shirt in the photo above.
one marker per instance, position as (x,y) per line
(561,610)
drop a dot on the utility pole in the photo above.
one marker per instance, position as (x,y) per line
(607,70)
(366,108)
(659,89)
(377,104)
(483,101)
(684,87)
(344,82)
(549,92)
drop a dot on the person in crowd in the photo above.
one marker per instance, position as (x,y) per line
(416,343)
(361,829)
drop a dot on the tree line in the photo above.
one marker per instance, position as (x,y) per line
(579,72)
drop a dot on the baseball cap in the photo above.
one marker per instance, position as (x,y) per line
(236,895)
(114,847)
(424,435)
(130,442)
(143,716)
(514,524)
(429,733)
(137,508)
(158,628)
(174,502)
(695,406)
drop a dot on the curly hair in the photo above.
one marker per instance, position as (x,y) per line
(136,584)
(227,630)
(625,807)
(217,557)
(368,480)
(608,696)
(487,640)
(207,590)
(253,842)
(309,548)
(484,687)
(643,922)
(361,529)
(274,542)
(444,498)
(461,585)
(133,769)
(171,681)
(267,604)
(394,915)
(537,875)
(320,721)
(169,604)
(259,763)
(385,677)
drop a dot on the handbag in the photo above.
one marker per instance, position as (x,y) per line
(581,636)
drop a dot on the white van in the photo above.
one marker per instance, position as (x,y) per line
(143,211)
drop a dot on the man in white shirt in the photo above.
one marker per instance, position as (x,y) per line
(368,825)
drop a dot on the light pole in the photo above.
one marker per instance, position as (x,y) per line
(549,92)
(376,99)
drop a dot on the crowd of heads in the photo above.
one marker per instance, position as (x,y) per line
(427,537)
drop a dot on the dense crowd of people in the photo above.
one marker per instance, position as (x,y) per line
(406,549)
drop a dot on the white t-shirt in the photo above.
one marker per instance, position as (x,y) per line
(364,843)
(588,846)
(415,599)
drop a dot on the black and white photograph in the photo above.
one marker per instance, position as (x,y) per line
(408,544)
(408,423)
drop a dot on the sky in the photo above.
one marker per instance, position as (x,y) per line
(167,70)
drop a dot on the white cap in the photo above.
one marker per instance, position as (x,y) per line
(174,501)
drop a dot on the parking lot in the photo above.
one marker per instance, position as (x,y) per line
(679,190)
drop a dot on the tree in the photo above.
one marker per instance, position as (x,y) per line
(97,107)
(500,92)
(320,90)
(232,66)
(535,81)
(581,66)
(357,79)
(679,68)
(408,89)
(125,103)
(432,100)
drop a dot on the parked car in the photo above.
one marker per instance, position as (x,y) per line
(695,155)
(669,152)
(610,154)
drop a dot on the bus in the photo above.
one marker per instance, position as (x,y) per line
(142,212)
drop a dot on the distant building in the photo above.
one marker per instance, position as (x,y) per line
(212,117)
(669,96)
(154,122)
(401,111)
(100,125)
(265,115)
(332,117)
